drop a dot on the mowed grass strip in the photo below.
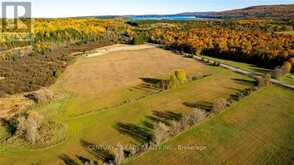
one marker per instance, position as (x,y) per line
(257,130)
(98,128)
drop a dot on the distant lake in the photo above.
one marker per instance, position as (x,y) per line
(170,17)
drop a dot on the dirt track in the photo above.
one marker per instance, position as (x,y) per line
(115,48)
(250,74)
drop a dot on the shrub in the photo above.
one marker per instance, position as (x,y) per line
(28,127)
(268,78)
(21,126)
(277,73)
(173,81)
(175,127)
(192,118)
(41,48)
(264,81)
(118,153)
(57,73)
(40,96)
(164,84)
(181,76)
(32,125)
(287,67)
(216,63)
(138,40)
(13,56)
(219,105)
(241,94)
(12,126)
(161,132)
(177,78)
(197,115)
(260,81)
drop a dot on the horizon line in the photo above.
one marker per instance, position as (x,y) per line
(157,14)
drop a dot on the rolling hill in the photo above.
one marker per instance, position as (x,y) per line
(265,11)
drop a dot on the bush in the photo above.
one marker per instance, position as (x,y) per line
(12,126)
(267,78)
(41,48)
(241,94)
(287,67)
(21,126)
(175,127)
(138,40)
(161,132)
(118,153)
(216,63)
(57,73)
(197,115)
(28,127)
(277,73)
(32,125)
(173,82)
(181,76)
(177,78)
(264,81)
(219,105)
(193,118)
(40,96)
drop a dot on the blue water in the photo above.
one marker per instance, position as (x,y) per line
(171,17)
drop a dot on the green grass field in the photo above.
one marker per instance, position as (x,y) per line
(243,66)
(98,127)
(257,130)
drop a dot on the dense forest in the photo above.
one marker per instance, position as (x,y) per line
(251,43)
(49,32)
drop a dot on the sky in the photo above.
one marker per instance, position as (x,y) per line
(70,8)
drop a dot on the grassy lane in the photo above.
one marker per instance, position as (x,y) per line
(257,130)
(254,69)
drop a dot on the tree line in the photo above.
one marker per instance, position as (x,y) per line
(64,31)
(257,47)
